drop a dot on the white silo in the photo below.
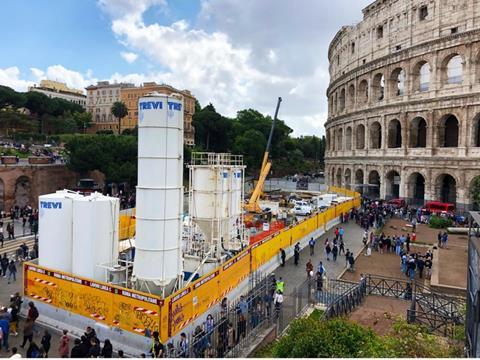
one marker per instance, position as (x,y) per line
(159,190)
(95,235)
(55,229)
(215,200)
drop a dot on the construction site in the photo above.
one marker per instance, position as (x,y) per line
(163,266)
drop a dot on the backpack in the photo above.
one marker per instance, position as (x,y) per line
(34,313)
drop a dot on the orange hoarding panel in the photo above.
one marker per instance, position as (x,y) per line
(180,308)
(115,306)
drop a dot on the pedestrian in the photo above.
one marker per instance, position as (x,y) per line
(278,301)
(77,351)
(328,250)
(428,266)
(282,256)
(209,327)
(183,345)
(27,332)
(342,247)
(311,244)
(107,350)
(309,268)
(120,353)
(5,326)
(335,252)
(336,232)
(4,264)
(296,255)
(351,262)
(242,312)
(341,232)
(12,271)
(95,350)
(321,269)
(2,238)
(280,285)
(15,354)
(439,239)
(420,266)
(33,351)
(46,338)
(63,349)
(319,285)
(14,318)
(407,243)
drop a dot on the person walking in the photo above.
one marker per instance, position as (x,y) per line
(77,352)
(341,232)
(282,256)
(319,285)
(4,264)
(64,348)
(280,286)
(328,250)
(342,247)
(347,255)
(309,269)
(296,255)
(12,271)
(311,244)
(46,343)
(278,301)
(27,332)
(107,350)
(335,252)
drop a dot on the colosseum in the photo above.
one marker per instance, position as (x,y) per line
(404,102)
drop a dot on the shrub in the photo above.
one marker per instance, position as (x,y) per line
(438,222)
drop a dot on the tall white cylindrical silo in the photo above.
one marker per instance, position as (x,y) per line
(159,189)
(55,229)
(95,235)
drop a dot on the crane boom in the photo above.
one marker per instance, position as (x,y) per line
(253,205)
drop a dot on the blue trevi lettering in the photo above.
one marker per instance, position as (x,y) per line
(150,105)
(50,205)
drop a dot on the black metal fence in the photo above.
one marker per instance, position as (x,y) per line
(230,332)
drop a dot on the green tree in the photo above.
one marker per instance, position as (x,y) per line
(212,130)
(119,110)
(83,120)
(9,97)
(251,144)
(115,156)
(475,192)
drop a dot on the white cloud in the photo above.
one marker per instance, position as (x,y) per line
(11,77)
(129,57)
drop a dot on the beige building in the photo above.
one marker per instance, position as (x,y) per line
(55,89)
(130,96)
(100,99)
(403,101)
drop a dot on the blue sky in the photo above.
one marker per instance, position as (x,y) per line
(234,53)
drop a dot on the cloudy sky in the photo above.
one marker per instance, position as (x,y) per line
(234,53)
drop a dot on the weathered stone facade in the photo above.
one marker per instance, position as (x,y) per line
(404,101)
(22,184)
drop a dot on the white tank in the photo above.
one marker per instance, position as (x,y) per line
(55,229)
(160,189)
(95,235)
(236,192)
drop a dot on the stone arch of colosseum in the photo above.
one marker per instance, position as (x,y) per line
(415,106)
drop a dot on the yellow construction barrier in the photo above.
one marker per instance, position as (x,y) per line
(141,313)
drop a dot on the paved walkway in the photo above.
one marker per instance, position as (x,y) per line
(295,275)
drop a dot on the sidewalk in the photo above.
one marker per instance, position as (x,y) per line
(295,275)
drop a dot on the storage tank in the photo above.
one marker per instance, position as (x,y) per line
(95,235)
(55,229)
(216,184)
(160,189)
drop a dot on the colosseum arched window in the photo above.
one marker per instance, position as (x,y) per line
(446,188)
(375,135)
(97,118)
(421,76)
(477,68)
(392,181)
(397,82)
(338,181)
(452,70)
(335,103)
(394,134)
(104,118)
(416,188)
(448,131)
(348,138)
(359,180)
(362,95)
(360,137)
(476,131)
(351,97)
(342,100)
(374,184)
(378,87)
(339,140)
(418,133)
(348,178)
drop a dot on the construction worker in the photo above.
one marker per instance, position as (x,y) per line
(280,285)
